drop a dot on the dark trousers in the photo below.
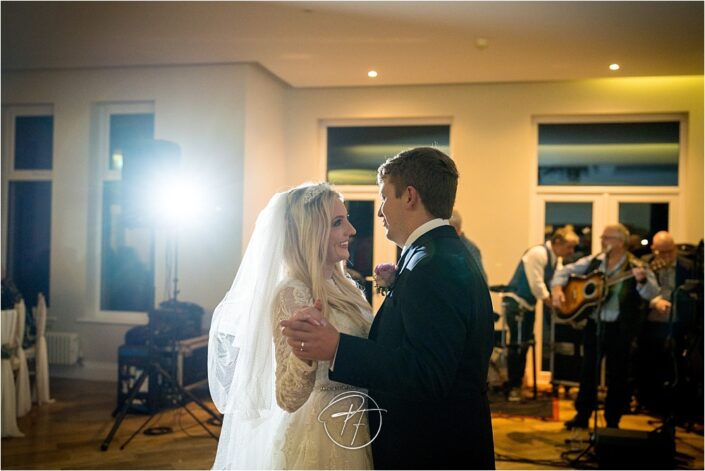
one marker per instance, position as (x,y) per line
(516,357)
(615,348)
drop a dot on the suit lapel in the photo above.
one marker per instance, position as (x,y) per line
(401,265)
(387,299)
(405,257)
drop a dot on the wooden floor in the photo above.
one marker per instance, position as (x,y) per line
(68,433)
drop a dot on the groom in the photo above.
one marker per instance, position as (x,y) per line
(425,361)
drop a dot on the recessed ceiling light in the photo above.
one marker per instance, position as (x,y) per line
(372,74)
(482,43)
(614,66)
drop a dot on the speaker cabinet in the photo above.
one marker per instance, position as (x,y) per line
(634,449)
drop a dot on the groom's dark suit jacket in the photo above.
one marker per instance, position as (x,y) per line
(426,361)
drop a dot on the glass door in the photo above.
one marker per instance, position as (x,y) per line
(370,246)
(588,213)
(557,351)
(644,215)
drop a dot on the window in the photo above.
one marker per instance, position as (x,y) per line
(624,154)
(577,216)
(26,198)
(33,142)
(643,219)
(359,266)
(355,152)
(126,249)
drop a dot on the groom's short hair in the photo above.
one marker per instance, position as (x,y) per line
(430,171)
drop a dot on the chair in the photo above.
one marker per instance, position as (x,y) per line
(9,401)
(41,355)
(19,363)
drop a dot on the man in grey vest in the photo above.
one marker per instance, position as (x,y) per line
(529,283)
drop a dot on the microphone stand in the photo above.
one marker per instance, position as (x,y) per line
(599,333)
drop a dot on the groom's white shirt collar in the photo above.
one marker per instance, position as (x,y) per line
(418,232)
(422,229)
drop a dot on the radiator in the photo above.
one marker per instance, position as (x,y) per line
(62,347)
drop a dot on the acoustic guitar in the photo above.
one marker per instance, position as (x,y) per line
(583,292)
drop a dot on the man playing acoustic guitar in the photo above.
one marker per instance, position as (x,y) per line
(627,282)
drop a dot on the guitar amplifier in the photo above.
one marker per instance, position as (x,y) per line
(634,449)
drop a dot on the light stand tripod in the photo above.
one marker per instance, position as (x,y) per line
(152,370)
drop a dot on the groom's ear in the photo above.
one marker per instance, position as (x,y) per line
(411,197)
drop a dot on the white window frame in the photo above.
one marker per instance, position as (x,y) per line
(102,173)
(9,173)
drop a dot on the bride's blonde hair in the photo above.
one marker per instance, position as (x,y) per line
(308,224)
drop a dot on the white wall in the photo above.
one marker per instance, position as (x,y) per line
(249,135)
(493,142)
(265,154)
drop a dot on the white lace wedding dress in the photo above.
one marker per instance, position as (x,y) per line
(312,437)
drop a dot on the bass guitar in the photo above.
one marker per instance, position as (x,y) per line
(583,292)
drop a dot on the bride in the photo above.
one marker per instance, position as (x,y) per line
(281,412)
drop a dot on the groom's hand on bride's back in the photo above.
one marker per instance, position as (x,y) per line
(307,327)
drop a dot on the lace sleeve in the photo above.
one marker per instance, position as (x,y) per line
(294,377)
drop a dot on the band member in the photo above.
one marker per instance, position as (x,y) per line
(619,316)
(663,337)
(528,284)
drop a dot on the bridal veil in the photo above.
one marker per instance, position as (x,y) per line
(241,361)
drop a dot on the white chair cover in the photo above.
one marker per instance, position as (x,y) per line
(30,354)
(23,392)
(9,403)
(42,358)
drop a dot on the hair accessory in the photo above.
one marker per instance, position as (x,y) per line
(314,191)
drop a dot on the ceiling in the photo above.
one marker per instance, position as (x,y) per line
(326,44)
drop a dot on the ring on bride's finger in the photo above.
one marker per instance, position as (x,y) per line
(302,346)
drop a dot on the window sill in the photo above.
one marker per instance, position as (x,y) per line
(540,189)
(132,318)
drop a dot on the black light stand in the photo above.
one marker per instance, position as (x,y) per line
(151,370)
(175,280)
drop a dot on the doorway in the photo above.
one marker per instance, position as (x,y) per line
(643,214)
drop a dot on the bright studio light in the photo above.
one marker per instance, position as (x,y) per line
(614,66)
(372,74)
(178,201)
(644,242)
